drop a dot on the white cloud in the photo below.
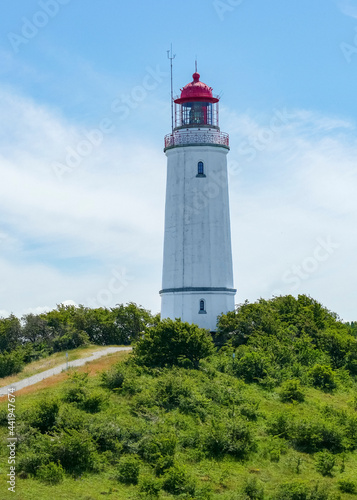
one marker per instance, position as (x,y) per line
(348,7)
(296,189)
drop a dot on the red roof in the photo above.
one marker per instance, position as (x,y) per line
(196,91)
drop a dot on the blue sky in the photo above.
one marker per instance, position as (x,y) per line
(85,103)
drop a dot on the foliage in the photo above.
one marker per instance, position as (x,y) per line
(322,377)
(325,462)
(276,339)
(10,333)
(300,490)
(347,486)
(291,390)
(253,490)
(75,450)
(177,481)
(11,363)
(159,451)
(171,342)
(44,414)
(149,487)
(114,378)
(128,470)
(196,433)
(50,473)
(77,392)
(232,437)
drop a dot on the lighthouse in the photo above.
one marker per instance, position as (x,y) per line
(197,278)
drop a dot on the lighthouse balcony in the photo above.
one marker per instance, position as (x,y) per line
(196,137)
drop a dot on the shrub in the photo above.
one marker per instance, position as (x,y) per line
(50,473)
(176,481)
(171,389)
(44,414)
(291,391)
(106,434)
(249,409)
(114,378)
(159,451)
(70,417)
(128,470)
(253,490)
(294,490)
(325,462)
(93,402)
(10,363)
(75,450)
(30,462)
(323,377)
(280,425)
(170,341)
(347,486)
(252,366)
(313,435)
(149,487)
(228,437)
(75,391)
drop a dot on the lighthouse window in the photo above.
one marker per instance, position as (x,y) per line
(202,307)
(200,169)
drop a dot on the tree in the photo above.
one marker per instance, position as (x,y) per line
(173,343)
(10,333)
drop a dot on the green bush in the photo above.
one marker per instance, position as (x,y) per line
(11,363)
(50,473)
(106,433)
(249,409)
(294,490)
(252,366)
(231,437)
(253,490)
(347,486)
(30,462)
(71,340)
(291,390)
(75,450)
(70,417)
(280,425)
(149,487)
(114,378)
(314,434)
(76,388)
(325,462)
(323,377)
(170,341)
(177,481)
(93,401)
(128,470)
(44,414)
(158,451)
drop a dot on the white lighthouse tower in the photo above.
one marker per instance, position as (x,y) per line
(197,280)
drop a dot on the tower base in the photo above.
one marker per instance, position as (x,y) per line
(201,306)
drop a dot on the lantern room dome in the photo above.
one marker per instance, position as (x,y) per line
(196,91)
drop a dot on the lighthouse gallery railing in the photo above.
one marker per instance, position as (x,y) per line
(185,138)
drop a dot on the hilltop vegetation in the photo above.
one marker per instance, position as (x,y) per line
(67,327)
(181,419)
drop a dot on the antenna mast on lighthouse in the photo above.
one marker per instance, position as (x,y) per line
(171,57)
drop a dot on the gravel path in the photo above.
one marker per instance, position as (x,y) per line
(58,369)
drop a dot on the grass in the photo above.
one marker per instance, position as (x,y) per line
(225,476)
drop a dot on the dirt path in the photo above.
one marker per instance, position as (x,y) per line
(58,369)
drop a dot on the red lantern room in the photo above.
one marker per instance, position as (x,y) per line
(196,107)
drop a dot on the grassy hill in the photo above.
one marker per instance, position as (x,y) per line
(179,419)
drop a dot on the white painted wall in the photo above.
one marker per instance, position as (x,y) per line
(197,243)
